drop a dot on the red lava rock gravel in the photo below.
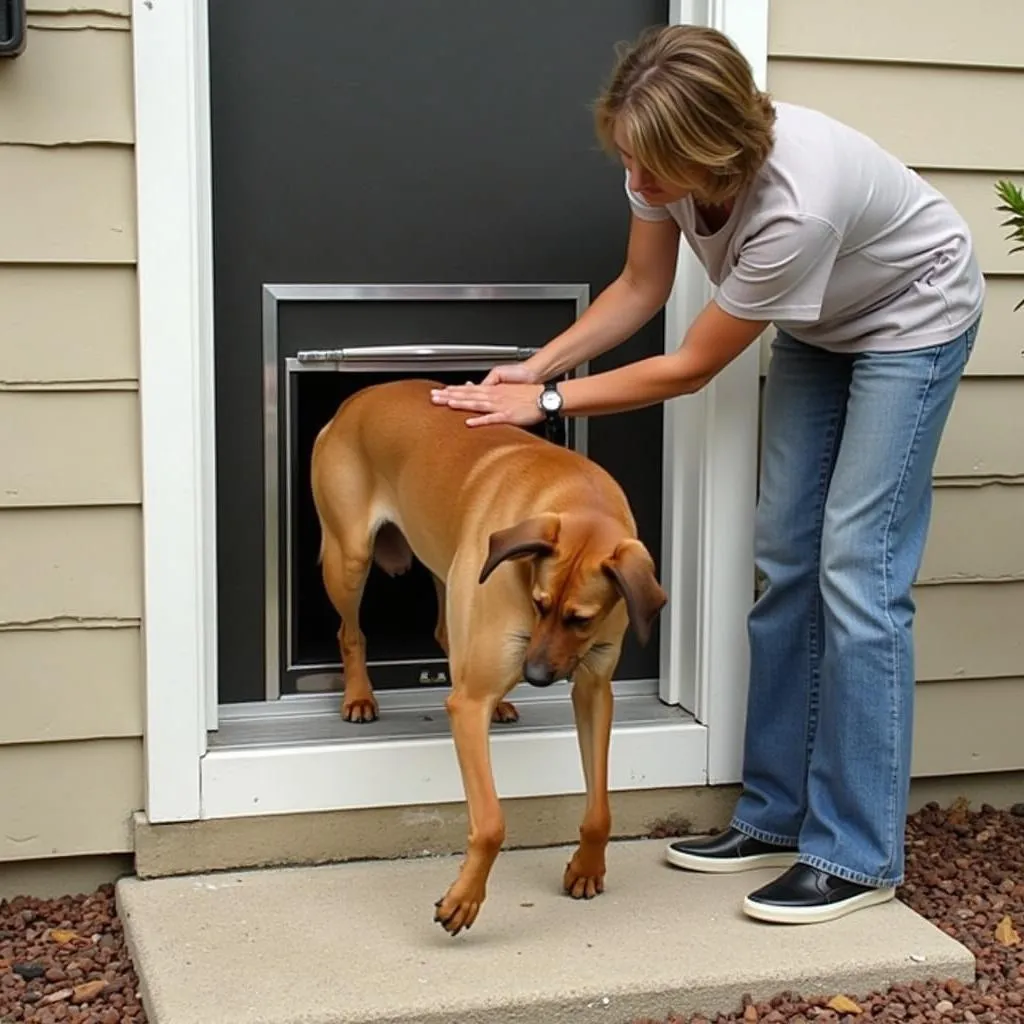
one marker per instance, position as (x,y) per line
(64,960)
(965,874)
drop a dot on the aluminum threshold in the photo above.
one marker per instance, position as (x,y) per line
(420,714)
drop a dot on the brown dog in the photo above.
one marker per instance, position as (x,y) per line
(539,573)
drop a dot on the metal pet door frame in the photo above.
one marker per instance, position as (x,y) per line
(370,358)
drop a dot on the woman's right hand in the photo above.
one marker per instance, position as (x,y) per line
(512,373)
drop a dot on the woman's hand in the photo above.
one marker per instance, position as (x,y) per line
(512,373)
(513,403)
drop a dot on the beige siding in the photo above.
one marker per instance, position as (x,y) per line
(984,435)
(974,727)
(70,565)
(999,350)
(973,194)
(121,7)
(891,103)
(74,448)
(54,877)
(939,91)
(89,338)
(987,33)
(76,204)
(71,703)
(72,20)
(70,684)
(969,631)
(73,86)
(69,798)
(977,533)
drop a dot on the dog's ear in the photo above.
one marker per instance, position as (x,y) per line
(631,569)
(535,536)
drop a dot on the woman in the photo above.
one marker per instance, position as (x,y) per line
(870,279)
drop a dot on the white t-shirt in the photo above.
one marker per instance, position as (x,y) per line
(838,243)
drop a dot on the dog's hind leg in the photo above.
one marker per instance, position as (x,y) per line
(592,707)
(346,565)
(506,712)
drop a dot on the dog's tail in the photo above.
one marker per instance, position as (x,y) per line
(314,481)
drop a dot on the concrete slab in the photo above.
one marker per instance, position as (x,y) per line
(355,942)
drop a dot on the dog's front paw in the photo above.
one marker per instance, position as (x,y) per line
(458,908)
(360,709)
(584,876)
(505,712)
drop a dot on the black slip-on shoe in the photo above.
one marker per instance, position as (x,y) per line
(806,895)
(727,852)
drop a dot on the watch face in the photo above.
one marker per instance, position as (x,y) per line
(551,401)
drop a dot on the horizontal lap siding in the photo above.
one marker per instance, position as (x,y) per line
(999,349)
(88,100)
(968,729)
(69,798)
(65,683)
(983,436)
(977,533)
(938,91)
(76,204)
(74,448)
(927,115)
(66,565)
(973,194)
(72,20)
(968,631)
(71,670)
(122,8)
(87,339)
(938,32)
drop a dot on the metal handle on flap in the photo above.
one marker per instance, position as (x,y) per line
(425,352)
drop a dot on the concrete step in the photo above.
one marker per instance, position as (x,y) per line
(355,942)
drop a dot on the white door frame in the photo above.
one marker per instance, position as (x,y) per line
(711,447)
(710,459)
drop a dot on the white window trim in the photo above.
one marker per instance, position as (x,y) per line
(710,461)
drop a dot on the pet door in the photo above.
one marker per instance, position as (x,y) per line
(398,615)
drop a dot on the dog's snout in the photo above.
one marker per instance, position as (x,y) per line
(538,673)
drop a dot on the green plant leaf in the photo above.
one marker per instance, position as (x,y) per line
(1011,201)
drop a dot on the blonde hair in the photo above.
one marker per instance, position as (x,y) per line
(691,112)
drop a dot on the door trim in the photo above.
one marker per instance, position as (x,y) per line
(709,468)
(175,282)
(710,480)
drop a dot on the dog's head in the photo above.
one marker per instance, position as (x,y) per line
(586,577)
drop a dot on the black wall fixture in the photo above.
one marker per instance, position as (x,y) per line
(12,27)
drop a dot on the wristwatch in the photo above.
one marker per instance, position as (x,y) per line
(549,401)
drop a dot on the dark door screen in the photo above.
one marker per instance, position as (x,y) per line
(405,142)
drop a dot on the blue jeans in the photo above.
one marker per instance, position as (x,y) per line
(849,445)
